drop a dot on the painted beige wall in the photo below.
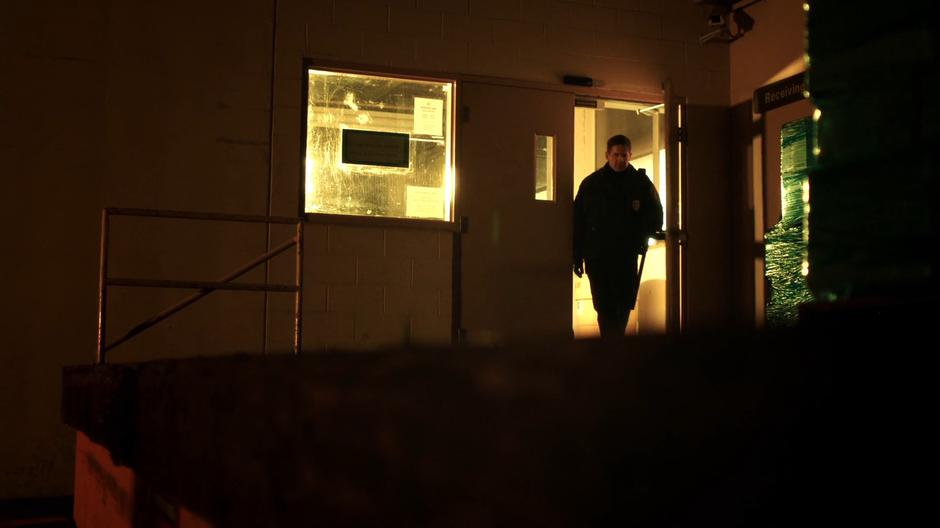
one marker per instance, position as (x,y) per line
(51,154)
(164,105)
(773,50)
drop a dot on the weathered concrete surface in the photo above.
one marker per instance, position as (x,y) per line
(100,401)
(743,430)
(112,496)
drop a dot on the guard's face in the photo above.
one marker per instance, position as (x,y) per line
(618,157)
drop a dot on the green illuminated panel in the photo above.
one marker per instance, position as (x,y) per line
(786,242)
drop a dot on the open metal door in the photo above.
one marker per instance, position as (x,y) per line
(515,263)
(676,235)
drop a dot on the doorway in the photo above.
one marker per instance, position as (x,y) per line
(644,123)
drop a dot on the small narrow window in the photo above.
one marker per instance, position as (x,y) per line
(379,146)
(544,168)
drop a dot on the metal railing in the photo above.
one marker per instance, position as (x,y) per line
(204,287)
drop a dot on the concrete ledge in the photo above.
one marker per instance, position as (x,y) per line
(649,431)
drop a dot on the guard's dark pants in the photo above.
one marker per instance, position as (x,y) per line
(613,287)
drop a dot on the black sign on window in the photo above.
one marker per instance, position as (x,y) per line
(367,147)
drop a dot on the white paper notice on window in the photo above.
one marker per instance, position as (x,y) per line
(424,202)
(429,116)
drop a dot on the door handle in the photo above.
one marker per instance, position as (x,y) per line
(679,235)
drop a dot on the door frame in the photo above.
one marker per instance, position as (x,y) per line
(677,192)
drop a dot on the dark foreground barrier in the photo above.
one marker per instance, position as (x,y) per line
(797,427)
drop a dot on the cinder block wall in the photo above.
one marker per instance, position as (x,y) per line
(370,286)
(165,105)
(629,46)
(626,44)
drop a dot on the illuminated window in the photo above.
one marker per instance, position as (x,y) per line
(379,146)
(544,168)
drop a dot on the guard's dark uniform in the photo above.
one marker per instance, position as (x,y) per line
(614,215)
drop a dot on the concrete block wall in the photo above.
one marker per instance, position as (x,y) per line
(625,45)
(129,104)
(366,287)
(51,102)
(165,105)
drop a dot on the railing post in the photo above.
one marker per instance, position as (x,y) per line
(299,295)
(102,287)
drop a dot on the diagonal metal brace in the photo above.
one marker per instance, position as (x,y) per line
(198,295)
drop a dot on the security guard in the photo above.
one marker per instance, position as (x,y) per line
(616,210)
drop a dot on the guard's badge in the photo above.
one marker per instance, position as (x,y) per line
(636,205)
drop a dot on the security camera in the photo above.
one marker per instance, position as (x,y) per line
(743,20)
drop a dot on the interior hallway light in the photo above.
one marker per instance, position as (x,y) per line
(817,113)
(650,110)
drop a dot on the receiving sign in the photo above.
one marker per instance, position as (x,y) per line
(367,147)
(780,93)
